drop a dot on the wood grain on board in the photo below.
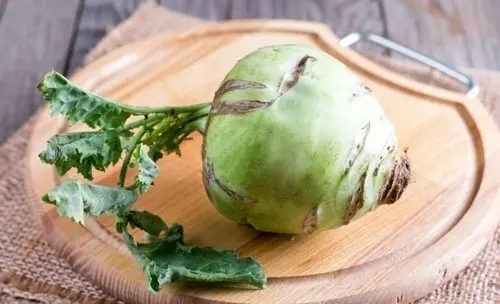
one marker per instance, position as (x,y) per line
(204,9)
(454,150)
(458,32)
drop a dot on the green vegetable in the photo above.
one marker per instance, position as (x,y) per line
(293,143)
(296,143)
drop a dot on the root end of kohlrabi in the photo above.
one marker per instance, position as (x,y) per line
(397,181)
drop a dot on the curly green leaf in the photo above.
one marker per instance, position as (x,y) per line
(74,199)
(168,259)
(83,151)
(67,99)
(79,105)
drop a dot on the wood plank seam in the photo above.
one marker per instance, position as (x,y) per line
(383,17)
(3,7)
(72,41)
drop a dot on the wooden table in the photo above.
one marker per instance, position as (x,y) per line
(37,35)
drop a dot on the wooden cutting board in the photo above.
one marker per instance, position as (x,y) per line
(393,255)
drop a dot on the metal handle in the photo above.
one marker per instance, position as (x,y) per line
(352,38)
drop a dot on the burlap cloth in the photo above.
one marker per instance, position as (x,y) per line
(32,272)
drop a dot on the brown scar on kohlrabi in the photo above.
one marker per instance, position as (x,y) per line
(207,175)
(237,84)
(387,149)
(356,200)
(356,147)
(239,107)
(290,79)
(311,221)
(210,177)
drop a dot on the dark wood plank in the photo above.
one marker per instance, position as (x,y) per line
(343,16)
(97,17)
(3,5)
(461,33)
(204,9)
(100,15)
(35,36)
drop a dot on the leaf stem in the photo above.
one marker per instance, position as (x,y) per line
(189,120)
(142,122)
(203,111)
(167,110)
(126,161)
(198,125)
(196,122)
(131,187)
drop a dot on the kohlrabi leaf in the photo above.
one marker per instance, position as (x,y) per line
(83,151)
(148,222)
(164,257)
(168,259)
(74,199)
(148,171)
(67,99)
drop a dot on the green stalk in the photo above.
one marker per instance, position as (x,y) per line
(172,110)
(150,120)
(126,161)
(199,125)
(196,116)
(161,127)
(197,122)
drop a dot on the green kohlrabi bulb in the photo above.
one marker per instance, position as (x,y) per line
(296,143)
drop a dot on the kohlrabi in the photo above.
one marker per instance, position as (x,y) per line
(296,143)
(293,143)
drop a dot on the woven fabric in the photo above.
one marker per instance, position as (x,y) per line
(32,272)
(29,268)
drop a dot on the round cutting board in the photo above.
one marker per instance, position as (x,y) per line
(394,254)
